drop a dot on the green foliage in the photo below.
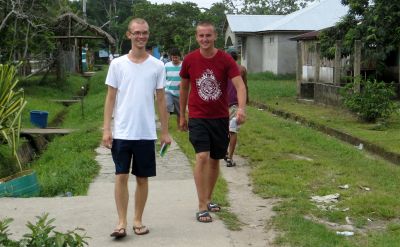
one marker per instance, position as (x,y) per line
(11,105)
(42,234)
(373,102)
(264,7)
(176,18)
(68,164)
(172,27)
(73,154)
(27,30)
(375,23)
(216,15)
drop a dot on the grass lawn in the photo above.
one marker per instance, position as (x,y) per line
(68,164)
(294,162)
(280,94)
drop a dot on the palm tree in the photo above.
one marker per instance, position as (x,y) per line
(11,105)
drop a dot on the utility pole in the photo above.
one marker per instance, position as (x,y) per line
(84,10)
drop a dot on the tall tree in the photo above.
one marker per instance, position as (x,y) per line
(171,25)
(375,23)
(25,28)
(264,7)
(216,14)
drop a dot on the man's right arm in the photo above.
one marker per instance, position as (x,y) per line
(183,100)
(243,73)
(108,111)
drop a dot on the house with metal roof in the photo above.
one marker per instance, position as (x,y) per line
(264,40)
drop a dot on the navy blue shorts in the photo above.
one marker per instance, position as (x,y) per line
(209,135)
(140,153)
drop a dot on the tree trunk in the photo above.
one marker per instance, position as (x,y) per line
(4,21)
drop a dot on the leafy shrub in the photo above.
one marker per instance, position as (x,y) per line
(42,234)
(373,102)
(12,102)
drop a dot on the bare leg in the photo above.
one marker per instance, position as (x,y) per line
(201,180)
(121,195)
(142,190)
(232,144)
(212,176)
(177,120)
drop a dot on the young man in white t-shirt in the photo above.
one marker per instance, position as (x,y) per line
(132,80)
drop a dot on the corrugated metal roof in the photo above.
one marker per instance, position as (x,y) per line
(250,23)
(307,36)
(316,16)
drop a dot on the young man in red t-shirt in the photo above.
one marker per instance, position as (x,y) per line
(204,74)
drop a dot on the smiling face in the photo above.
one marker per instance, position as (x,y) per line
(138,33)
(176,60)
(206,36)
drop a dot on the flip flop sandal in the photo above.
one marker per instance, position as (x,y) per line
(230,163)
(203,214)
(213,207)
(140,230)
(118,233)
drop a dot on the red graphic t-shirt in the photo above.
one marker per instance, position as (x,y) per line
(208,83)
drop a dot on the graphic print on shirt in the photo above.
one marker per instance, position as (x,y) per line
(208,87)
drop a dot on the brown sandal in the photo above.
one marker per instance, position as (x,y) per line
(140,230)
(118,233)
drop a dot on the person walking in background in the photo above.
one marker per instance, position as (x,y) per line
(110,57)
(165,58)
(132,80)
(172,70)
(204,74)
(233,106)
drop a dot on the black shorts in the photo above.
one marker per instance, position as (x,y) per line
(140,153)
(209,135)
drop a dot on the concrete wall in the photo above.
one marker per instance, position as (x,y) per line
(287,54)
(270,53)
(325,74)
(252,56)
(327,94)
(230,34)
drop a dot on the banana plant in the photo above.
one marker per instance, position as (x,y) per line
(12,102)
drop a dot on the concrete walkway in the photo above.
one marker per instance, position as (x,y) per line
(169,213)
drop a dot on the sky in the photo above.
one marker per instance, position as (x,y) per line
(200,3)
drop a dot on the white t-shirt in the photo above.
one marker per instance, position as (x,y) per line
(136,83)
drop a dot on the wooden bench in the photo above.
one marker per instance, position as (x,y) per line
(46,131)
(66,102)
(98,67)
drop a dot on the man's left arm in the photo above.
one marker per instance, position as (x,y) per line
(237,81)
(163,116)
(243,72)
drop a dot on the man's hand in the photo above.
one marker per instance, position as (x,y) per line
(240,116)
(183,125)
(165,138)
(107,139)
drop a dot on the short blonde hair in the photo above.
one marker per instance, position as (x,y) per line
(138,21)
(205,24)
